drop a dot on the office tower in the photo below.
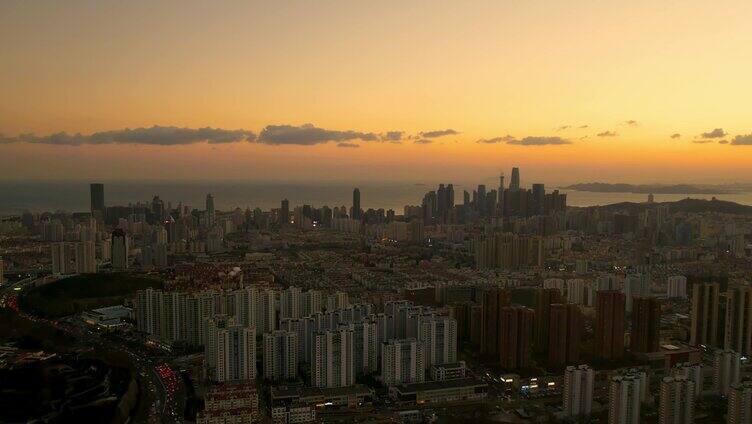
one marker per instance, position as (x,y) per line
(86,259)
(626,393)
(332,362)
(210,213)
(738,331)
(438,334)
(284,213)
(705,301)
(429,206)
(609,325)
(236,354)
(355,214)
(692,372)
(465,198)
(280,355)
(578,390)
(60,258)
(726,365)
(402,362)
(544,298)
(290,303)
(677,286)
(96,191)
(646,325)
(514,182)
(515,336)
(636,285)
(480,204)
(213,325)
(539,199)
(740,403)
(493,301)
(565,327)
(119,251)
(677,401)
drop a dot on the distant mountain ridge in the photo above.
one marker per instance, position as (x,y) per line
(649,188)
(685,205)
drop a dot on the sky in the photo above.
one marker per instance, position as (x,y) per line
(569,90)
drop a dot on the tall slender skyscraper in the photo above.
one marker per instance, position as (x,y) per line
(564,334)
(609,324)
(514,182)
(515,336)
(119,250)
(646,318)
(544,298)
(356,205)
(97,197)
(210,208)
(284,213)
(705,301)
(738,332)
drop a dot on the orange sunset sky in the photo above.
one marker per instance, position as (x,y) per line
(570,90)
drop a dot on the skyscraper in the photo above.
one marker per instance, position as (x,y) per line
(544,298)
(236,354)
(284,213)
(515,337)
(96,191)
(565,327)
(332,361)
(726,369)
(740,403)
(646,319)
(402,362)
(626,393)
(514,182)
(439,337)
(677,401)
(210,213)
(705,301)
(493,301)
(280,355)
(356,205)
(578,390)
(609,325)
(738,331)
(119,250)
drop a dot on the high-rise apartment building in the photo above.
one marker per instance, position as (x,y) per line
(578,390)
(646,325)
(402,362)
(726,370)
(692,372)
(86,257)
(677,401)
(565,334)
(738,329)
(740,403)
(544,298)
(676,286)
(626,394)
(236,354)
(705,304)
(493,301)
(280,355)
(290,303)
(438,334)
(515,336)
(332,359)
(609,324)
(119,250)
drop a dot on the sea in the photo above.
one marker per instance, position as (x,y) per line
(73,196)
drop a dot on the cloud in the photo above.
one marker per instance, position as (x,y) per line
(438,133)
(702,141)
(349,145)
(564,127)
(539,141)
(632,123)
(495,140)
(607,134)
(716,133)
(156,135)
(582,127)
(723,141)
(742,140)
(392,136)
(675,135)
(308,135)
(423,141)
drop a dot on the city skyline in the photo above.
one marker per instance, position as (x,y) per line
(569,90)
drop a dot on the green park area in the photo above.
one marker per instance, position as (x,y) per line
(83,292)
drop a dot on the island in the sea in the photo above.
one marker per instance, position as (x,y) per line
(652,188)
